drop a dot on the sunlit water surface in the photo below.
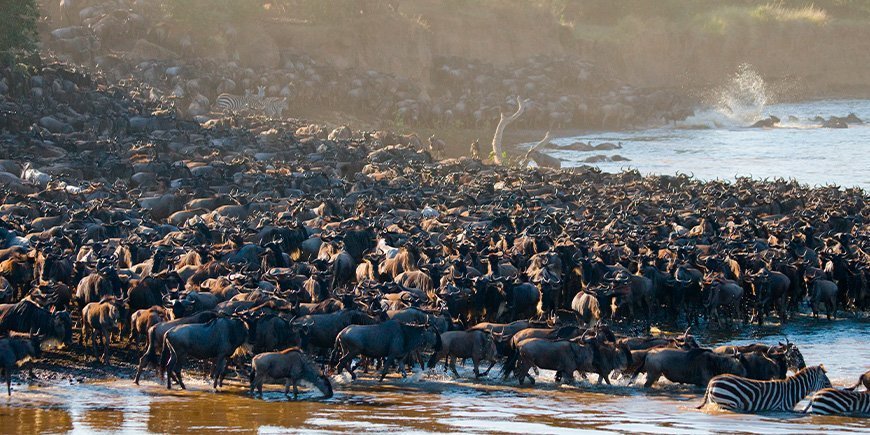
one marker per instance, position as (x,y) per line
(712,145)
(432,402)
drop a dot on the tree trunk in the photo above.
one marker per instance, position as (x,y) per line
(503,122)
(533,149)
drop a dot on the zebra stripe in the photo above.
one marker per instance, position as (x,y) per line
(237,103)
(833,401)
(737,393)
(274,107)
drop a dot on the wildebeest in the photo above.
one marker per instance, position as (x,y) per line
(100,320)
(216,340)
(391,340)
(142,320)
(695,366)
(153,354)
(290,366)
(477,345)
(563,356)
(26,316)
(12,351)
(862,380)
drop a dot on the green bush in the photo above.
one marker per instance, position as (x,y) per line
(17,28)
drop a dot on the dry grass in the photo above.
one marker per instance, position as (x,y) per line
(781,13)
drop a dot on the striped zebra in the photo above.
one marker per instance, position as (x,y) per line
(832,401)
(737,393)
(274,107)
(239,103)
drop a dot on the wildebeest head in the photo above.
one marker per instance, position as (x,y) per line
(793,356)
(61,327)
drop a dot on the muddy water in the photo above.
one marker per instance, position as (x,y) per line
(434,402)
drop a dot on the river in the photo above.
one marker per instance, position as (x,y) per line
(715,144)
(433,402)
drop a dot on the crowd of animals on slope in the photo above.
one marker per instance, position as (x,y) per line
(133,38)
(279,236)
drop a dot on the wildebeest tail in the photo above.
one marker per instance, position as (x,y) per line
(706,399)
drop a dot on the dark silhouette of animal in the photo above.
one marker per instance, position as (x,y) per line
(290,366)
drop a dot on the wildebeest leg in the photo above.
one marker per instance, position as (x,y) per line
(219,367)
(345,363)
(178,376)
(287,387)
(106,340)
(491,365)
(476,362)
(7,373)
(603,377)
(651,378)
(388,362)
(453,366)
(170,365)
(568,378)
(403,365)
(142,362)
(295,389)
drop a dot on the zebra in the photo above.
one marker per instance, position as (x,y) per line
(273,107)
(737,393)
(832,401)
(238,103)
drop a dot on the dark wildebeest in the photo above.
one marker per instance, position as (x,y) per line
(289,365)
(12,351)
(28,317)
(154,345)
(216,340)
(477,345)
(391,340)
(695,366)
(563,356)
(273,332)
(763,366)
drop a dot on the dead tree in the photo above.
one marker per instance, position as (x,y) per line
(499,129)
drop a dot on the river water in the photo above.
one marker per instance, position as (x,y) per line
(432,402)
(716,144)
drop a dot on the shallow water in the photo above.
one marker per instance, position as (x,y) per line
(433,402)
(712,145)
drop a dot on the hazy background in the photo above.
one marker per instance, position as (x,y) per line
(820,47)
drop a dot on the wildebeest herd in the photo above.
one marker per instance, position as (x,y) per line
(349,251)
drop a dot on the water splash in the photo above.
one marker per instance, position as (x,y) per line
(744,97)
(737,103)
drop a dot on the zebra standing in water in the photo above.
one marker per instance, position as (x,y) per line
(832,401)
(238,103)
(736,393)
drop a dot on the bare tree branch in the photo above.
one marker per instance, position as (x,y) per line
(503,122)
